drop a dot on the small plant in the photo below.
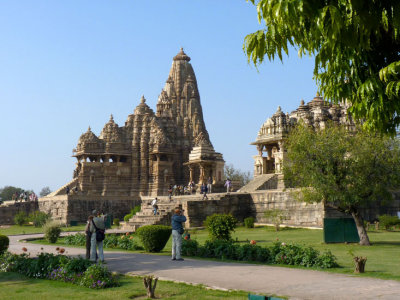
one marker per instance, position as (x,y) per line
(150,287)
(52,231)
(249,222)
(154,237)
(116,222)
(133,212)
(275,216)
(78,239)
(189,247)
(4,243)
(220,226)
(20,218)
(39,218)
(388,221)
(99,277)
(127,217)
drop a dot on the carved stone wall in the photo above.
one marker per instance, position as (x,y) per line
(75,208)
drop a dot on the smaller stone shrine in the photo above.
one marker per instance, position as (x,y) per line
(273,133)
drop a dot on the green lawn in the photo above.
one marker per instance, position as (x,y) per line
(29,229)
(383,257)
(15,286)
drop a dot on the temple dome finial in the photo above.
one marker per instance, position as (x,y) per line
(317,95)
(302,102)
(143,99)
(181,56)
(111,117)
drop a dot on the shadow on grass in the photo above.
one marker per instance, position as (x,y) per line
(389,243)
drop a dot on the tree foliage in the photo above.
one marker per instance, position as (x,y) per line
(45,191)
(7,192)
(345,170)
(356,45)
(237,175)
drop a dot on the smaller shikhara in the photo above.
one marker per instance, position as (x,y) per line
(272,135)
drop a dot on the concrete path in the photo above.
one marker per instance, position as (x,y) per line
(293,283)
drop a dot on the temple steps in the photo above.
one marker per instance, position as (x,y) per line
(262,182)
(63,189)
(165,210)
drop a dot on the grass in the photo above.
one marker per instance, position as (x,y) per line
(382,257)
(30,229)
(15,286)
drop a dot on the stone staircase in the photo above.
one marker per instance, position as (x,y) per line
(146,216)
(261,182)
(62,190)
(165,210)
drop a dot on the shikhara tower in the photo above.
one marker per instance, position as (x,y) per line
(151,151)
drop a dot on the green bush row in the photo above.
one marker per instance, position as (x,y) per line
(279,253)
(38,218)
(388,221)
(126,242)
(59,267)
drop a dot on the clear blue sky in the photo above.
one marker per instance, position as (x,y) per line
(65,65)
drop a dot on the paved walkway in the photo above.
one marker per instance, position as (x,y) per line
(294,283)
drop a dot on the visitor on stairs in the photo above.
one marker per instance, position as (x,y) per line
(154,205)
(177,230)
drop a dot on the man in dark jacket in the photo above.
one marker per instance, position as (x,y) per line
(177,230)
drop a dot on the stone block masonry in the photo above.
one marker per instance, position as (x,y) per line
(67,208)
(8,211)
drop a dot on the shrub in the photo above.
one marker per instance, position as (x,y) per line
(78,239)
(276,216)
(52,231)
(249,222)
(326,260)
(77,265)
(220,226)
(116,222)
(39,218)
(4,243)
(154,237)
(189,247)
(127,217)
(388,221)
(133,212)
(98,277)
(20,218)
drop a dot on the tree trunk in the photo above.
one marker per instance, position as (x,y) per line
(359,264)
(362,233)
(148,280)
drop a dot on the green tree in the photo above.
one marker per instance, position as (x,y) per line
(45,191)
(346,171)
(7,192)
(237,175)
(356,45)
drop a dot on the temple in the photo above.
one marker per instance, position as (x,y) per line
(273,133)
(152,151)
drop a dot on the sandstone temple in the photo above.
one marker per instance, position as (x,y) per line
(273,132)
(152,151)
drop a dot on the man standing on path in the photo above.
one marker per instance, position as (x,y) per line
(97,224)
(177,230)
